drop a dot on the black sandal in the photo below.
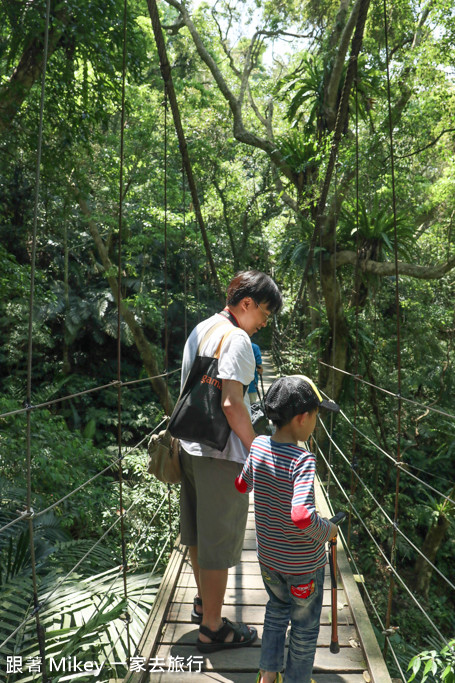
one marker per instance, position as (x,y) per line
(218,638)
(196,617)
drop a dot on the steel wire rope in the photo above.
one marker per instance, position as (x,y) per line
(389,567)
(28,438)
(133,611)
(78,564)
(185,259)
(365,589)
(364,586)
(403,465)
(334,340)
(356,287)
(392,522)
(119,329)
(24,514)
(358,378)
(110,385)
(166,293)
(373,606)
(40,605)
(120,569)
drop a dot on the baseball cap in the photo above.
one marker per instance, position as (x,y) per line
(292,395)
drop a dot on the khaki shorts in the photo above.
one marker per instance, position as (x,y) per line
(213,513)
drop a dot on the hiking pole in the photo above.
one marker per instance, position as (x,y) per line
(334,645)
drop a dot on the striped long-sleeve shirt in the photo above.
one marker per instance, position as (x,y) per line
(290,534)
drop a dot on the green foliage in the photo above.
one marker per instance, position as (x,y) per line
(305,90)
(375,227)
(258,202)
(437,665)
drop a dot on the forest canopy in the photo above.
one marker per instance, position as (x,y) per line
(320,137)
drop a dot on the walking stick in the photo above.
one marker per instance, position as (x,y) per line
(334,645)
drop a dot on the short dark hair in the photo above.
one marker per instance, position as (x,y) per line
(294,395)
(257,285)
(282,422)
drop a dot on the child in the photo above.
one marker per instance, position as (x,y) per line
(290,534)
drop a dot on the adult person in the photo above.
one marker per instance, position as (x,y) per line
(212,512)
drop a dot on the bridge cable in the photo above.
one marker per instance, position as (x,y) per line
(390,568)
(359,378)
(24,513)
(403,465)
(110,385)
(392,522)
(166,295)
(353,562)
(356,288)
(39,628)
(398,328)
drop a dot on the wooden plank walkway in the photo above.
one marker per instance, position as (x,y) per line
(170,636)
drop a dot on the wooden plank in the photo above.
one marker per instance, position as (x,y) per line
(187,634)
(240,677)
(376,664)
(246,596)
(247,658)
(237,580)
(156,617)
(251,614)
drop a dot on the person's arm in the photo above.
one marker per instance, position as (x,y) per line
(236,411)
(303,513)
(244,482)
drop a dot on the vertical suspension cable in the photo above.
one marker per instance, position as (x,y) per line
(397,304)
(334,329)
(166,297)
(119,331)
(356,286)
(39,628)
(166,334)
(185,260)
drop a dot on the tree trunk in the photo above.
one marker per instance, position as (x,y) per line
(166,73)
(433,539)
(16,89)
(336,352)
(142,344)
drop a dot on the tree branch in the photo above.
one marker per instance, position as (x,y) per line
(142,344)
(422,149)
(16,89)
(240,132)
(387,269)
(337,69)
(167,78)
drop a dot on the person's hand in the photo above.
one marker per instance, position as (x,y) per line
(333,529)
(260,369)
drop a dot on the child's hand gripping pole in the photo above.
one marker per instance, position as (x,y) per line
(334,646)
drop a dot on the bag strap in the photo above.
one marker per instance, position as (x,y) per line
(222,340)
(209,333)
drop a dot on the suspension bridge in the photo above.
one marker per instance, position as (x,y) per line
(169,637)
(166,637)
(168,642)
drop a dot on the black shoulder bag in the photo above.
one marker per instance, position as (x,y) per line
(198,415)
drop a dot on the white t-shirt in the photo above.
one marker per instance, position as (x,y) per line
(236,362)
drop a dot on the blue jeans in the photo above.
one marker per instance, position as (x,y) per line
(298,599)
